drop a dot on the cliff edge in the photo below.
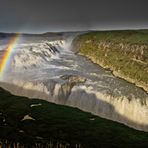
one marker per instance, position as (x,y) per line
(125,53)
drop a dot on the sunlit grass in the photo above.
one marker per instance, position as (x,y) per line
(125,52)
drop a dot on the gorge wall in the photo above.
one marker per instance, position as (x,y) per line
(125,53)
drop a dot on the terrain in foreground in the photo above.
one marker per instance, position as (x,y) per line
(38,123)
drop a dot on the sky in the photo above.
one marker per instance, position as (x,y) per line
(36,16)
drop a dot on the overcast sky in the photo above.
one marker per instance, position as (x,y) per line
(64,15)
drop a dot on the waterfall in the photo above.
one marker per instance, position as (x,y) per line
(50,70)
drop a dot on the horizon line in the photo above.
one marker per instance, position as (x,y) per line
(66,31)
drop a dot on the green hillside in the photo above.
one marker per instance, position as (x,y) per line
(123,52)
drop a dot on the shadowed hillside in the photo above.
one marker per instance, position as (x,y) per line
(36,123)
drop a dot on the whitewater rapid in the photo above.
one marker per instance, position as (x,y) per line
(48,69)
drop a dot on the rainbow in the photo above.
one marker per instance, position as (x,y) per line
(4,62)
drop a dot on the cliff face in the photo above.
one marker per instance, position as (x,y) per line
(127,59)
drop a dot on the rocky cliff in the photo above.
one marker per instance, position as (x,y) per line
(125,53)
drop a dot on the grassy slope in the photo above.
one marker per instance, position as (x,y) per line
(124,52)
(62,124)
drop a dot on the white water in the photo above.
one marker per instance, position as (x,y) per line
(65,78)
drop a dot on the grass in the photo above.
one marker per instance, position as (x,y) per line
(123,52)
(126,36)
(57,124)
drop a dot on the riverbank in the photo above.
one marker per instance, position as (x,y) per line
(125,53)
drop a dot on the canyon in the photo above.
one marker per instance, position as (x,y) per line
(49,69)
